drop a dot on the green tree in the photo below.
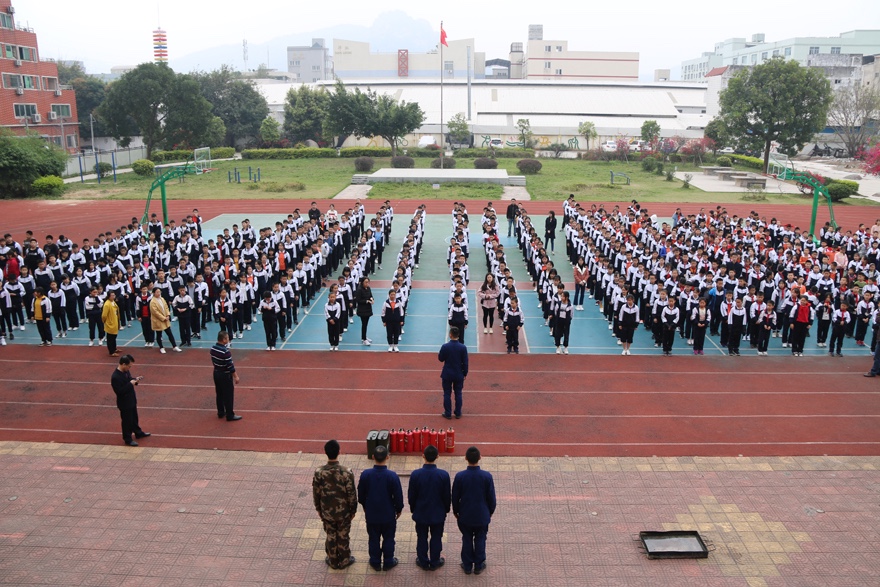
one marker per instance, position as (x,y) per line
(526,136)
(215,134)
(588,131)
(854,115)
(458,129)
(270,130)
(237,102)
(167,108)
(777,100)
(346,113)
(393,120)
(305,110)
(70,71)
(24,159)
(650,131)
(90,93)
(717,131)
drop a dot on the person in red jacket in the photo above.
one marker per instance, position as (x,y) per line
(802,315)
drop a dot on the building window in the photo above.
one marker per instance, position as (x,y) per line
(775,52)
(23,110)
(547,65)
(11,81)
(559,48)
(5,21)
(814,50)
(547,48)
(295,63)
(787,51)
(754,57)
(449,66)
(316,68)
(71,141)
(62,110)
(558,72)
(835,50)
(764,56)
(837,82)
(50,83)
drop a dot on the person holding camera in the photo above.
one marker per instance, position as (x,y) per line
(123,384)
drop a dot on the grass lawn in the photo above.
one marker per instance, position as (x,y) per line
(324,178)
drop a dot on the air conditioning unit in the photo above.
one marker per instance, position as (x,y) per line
(58,92)
(10,9)
(53,116)
(37,119)
(19,91)
(18,63)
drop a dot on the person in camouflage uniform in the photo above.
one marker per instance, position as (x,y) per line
(335,497)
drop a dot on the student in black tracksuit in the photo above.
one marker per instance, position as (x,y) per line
(183,306)
(737,323)
(628,320)
(562,323)
(840,320)
(269,310)
(333,315)
(93,306)
(458,316)
(392,319)
(513,321)
(669,319)
(766,324)
(701,318)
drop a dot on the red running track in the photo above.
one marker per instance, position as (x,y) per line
(514,405)
(78,219)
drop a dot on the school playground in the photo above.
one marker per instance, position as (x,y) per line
(774,459)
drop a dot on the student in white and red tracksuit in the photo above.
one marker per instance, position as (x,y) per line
(392,320)
(839,321)
(800,317)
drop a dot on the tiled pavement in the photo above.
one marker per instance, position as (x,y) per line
(117,516)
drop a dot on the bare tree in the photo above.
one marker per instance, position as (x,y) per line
(851,116)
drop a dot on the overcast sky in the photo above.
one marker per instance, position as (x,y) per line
(103,33)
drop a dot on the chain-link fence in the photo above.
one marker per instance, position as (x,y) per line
(85,163)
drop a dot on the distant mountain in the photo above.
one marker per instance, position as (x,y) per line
(391,31)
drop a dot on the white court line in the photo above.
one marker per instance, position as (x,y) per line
(462,441)
(298,388)
(489,371)
(422,414)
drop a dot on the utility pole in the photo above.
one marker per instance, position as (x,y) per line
(92,128)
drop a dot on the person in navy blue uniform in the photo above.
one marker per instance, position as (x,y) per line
(429,501)
(380,493)
(454,357)
(473,503)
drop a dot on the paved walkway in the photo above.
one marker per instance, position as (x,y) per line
(712,183)
(515,192)
(118,516)
(354,192)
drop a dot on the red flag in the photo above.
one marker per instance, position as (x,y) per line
(443,36)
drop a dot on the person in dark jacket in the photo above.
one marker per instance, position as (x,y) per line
(429,501)
(550,225)
(126,400)
(363,298)
(473,503)
(381,494)
(454,357)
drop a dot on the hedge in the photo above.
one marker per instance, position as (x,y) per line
(51,185)
(529,166)
(402,162)
(363,164)
(499,153)
(723,161)
(143,167)
(306,153)
(485,163)
(365,152)
(448,163)
(839,191)
(423,152)
(164,156)
(747,161)
(843,185)
(222,152)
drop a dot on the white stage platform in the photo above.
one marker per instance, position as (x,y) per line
(497,176)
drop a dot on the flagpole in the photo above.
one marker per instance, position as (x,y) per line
(442,138)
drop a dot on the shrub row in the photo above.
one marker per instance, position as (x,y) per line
(747,161)
(306,153)
(165,156)
(365,152)
(499,153)
(839,189)
(50,185)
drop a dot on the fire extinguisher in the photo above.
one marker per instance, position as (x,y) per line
(441,440)
(426,437)
(434,437)
(407,441)
(394,445)
(416,445)
(450,440)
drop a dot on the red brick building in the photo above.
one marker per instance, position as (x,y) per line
(31,99)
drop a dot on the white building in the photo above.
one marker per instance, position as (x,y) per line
(554,109)
(738,51)
(354,60)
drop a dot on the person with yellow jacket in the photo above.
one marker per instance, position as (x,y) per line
(110,318)
(160,320)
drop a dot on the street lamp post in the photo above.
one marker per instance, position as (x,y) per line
(92,128)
